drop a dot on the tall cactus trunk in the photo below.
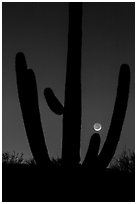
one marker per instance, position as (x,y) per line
(72,104)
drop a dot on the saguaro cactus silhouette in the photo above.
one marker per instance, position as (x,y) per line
(118,116)
(71,110)
(27,91)
(72,104)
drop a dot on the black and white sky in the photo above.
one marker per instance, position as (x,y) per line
(40,31)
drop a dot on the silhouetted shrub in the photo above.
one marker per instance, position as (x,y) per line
(16,158)
(12,158)
(30,162)
(124,162)
(57,161)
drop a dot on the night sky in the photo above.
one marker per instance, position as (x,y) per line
(40,31)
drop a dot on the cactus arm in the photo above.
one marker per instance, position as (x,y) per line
(92,153)
(119,112)
(53,102)
(28,97)
(72,103)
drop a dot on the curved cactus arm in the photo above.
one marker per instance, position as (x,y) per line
(53,102)
(119,112)
(92,152)
(28,97)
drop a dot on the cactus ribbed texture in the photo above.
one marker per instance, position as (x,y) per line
(71,111)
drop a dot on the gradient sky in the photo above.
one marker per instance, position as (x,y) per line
(40,31)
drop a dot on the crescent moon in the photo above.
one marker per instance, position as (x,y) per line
(97,127)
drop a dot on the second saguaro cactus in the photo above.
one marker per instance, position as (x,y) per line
(71,109)
(28,96)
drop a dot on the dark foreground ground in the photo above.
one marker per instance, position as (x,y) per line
(29,183)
